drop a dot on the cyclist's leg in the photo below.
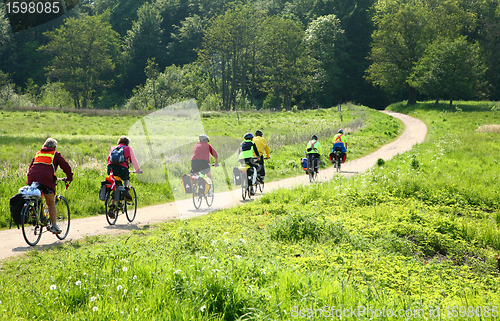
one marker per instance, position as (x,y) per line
(50,200)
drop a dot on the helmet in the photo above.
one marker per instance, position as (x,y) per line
(204,137)
(340,131)
(248,136)
(258,133)
(314,137)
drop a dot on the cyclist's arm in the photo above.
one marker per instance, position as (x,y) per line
(255,150)
(60,161)
(267,150)
(134,161)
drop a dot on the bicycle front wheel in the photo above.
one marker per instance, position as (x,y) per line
(32,230)
(131,205)
(63,216)
(196,195)
(111,209)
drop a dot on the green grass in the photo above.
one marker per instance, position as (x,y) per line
(417,234)
(85,139)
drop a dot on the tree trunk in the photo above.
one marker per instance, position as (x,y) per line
(412,96)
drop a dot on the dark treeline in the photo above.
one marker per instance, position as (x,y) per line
(295,54)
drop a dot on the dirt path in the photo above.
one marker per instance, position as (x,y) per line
(13,243)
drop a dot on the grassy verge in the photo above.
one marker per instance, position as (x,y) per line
(85,139)
(417,237)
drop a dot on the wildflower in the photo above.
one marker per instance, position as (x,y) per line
(203,308)
(135,277)
(177,271)
(53,287)
(125,269)
(78,283)
(93,298)
(95,309)
(119,287)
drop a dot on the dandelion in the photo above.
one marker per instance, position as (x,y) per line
(202,309)
(78,283)
(95,309)
(119,287)
(177,271)
(53,287)
(125,269)
(135,277)
(93,298)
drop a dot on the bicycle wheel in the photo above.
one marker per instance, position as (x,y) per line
(111,209)
(63,216)
(261,186)
(210,198)
(32,230)
(339,163)
(196,195)
(131,205)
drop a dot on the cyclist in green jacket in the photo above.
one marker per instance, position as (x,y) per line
(313,153)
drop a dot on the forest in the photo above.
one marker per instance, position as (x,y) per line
(253,54)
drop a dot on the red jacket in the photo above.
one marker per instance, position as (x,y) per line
(203,151)
(45,174)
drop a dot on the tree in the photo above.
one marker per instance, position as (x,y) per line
(282,54)
(143,42)
(186,39)
(449,69)
(326,44)
(404,29)
(228,52)
(83,50)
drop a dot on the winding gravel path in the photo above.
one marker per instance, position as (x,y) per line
(13,243)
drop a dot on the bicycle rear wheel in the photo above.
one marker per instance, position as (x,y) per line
(32,230)
(63,216)
(111,209)
(131,205)
(261,185)
(196,195)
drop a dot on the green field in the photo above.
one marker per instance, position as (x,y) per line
(418,235)
(85,139)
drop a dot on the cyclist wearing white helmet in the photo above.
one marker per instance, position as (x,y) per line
(200,162)
(263,148)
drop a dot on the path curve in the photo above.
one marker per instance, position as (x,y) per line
(13,243)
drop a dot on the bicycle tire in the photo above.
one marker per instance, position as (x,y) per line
(30,224)
(208,198)
(107,203)
(196,195)
(261,186)
(63,216)
(131,205)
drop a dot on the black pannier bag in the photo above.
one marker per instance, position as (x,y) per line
(187,183)
(16,207)
(236,176)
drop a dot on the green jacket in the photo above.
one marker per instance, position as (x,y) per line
(315,147)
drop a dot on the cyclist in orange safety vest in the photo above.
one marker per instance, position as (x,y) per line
(340,141)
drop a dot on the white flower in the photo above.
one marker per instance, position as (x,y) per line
(125,269)
(119,287)
(177,271)
(95,309)
(135,277)
(78,283)
(53,287)
(124,291)
(203,308)
(93,298)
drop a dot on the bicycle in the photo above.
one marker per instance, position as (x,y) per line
(127,206)
(337,159)
(34,218)
(312,169)
(248,188)
(200,190)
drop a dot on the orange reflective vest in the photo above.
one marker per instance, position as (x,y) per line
(338,139)
(44,157)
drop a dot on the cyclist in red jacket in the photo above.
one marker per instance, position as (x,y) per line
(42,170)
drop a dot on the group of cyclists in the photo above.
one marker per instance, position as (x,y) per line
(253,151)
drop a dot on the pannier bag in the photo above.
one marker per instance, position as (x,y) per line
(236,176)
(187,183)
(208,183)
(303,162)
(105,187)
(16,207)
(332,157)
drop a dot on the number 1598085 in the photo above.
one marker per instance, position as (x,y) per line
(32,7)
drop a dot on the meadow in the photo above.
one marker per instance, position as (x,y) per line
(416,237)
(86,138)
